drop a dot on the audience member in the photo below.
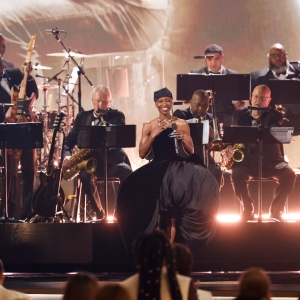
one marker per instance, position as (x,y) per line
(9,294)
(184,259)
(112,292)
(156,277)
(254,284)
(81,286)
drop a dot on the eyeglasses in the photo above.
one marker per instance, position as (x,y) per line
(280,55)
(260,97)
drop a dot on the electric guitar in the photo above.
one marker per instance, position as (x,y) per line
(49,192)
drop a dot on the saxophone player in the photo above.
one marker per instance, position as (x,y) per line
(118,164)
(273,164)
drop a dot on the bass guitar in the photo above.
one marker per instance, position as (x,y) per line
(20,112)
(49,193)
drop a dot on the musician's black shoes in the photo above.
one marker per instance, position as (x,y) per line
(247,216)
(276,215)
(100,215)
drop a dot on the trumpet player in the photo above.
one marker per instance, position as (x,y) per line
(273,163)
(199,105)
(118,164)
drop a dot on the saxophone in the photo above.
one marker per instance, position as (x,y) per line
(78,164)
(237,156)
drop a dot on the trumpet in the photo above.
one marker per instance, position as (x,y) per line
(217,144)
(78,164)
(279,108)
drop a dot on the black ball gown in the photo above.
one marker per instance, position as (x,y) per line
(181,188)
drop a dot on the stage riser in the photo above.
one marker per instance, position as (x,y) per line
(99,247)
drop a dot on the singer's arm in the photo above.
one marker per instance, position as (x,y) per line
(149,132)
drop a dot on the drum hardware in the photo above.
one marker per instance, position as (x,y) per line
(40,67)
(65,54)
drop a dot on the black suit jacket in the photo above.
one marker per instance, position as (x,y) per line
(262,76)
(272,153)
(186,114)
(292,111)
(7,64)
(14,77)
(114,156)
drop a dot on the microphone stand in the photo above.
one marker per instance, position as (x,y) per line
(80,70)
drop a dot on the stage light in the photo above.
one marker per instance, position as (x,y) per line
(228,218)
(111,219)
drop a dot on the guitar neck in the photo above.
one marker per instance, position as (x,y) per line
(22,93)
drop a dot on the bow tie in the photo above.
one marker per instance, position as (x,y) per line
(282,73)
(211,72)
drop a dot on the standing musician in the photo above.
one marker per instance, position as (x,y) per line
(273,164)
(224,110)
(9,78)
(118,164)
(199,106)
(6,63)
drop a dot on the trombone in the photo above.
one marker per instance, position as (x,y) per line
(217,141)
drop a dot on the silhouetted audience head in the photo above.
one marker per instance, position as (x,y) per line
(112,292)
(153,251)
(1,272)
(81,286)
(254,283)
(184,259)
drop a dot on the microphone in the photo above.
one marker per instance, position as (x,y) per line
(203,56)
(54,77)
(54,31)
(174,127)
(262,109)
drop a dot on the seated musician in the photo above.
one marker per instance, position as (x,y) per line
(273,164)
(199,106)
(118,164)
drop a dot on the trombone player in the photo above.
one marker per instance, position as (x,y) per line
(199,105)
(273,163)
(118,164)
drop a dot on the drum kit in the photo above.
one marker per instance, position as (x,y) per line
(47,115)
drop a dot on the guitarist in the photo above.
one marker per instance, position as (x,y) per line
(9,78)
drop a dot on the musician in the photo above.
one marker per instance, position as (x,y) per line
(279,68)
(199,105)
(224,110)
(273,164)
(117,161)
(9,78)
(6,63)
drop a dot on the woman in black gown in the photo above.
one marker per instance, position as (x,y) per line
(169,186)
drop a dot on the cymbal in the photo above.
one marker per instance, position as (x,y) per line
(40,67)
(65,54)
(47,87)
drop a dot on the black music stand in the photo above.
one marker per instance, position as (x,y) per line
(225,87)
(251,134)
(287,92)
(106,137)
(17,136)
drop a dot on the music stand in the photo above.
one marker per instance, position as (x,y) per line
(226,87)
(251,134)
(285,92)
(17,136)
(106,137)
(200,136)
